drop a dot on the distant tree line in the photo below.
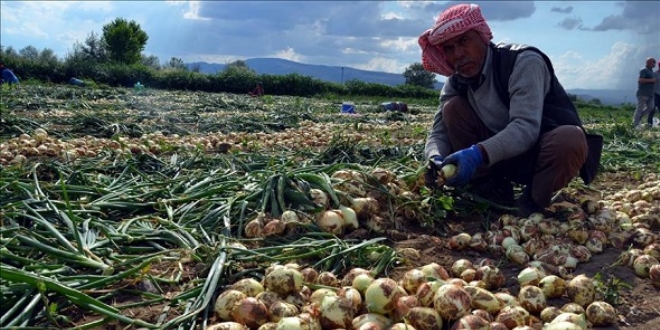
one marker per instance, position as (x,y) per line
(115,58)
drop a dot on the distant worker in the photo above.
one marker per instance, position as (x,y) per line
(258,91)
(645,86)
(656,95)
(393,106)
(7,75)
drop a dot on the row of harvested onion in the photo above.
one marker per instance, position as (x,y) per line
(425,298)
(309,135)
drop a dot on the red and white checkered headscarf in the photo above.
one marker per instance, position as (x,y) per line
(451,23)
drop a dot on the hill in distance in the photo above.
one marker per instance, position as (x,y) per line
(338,74)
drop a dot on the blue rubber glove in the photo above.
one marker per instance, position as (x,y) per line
(431,174)
(467,161)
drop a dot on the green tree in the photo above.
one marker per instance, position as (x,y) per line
(151,61)
(177,63)
(92,48)
(239,66)
(124,41)
(48,57)
(417,76)
(29,53)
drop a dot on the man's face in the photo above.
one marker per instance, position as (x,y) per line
(465,53)
(650,63)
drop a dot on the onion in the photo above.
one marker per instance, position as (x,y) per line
(350,217)
(460,241)
(281,309)
(268,298)
(528,232)
(268,326)
(331,221)
(471,322)
(249,286)
(600,313)
(550,313)
(552,286)
(228,326)
(581,290)
(435,270)
(381,295)
(530,276)
(512,316)
(594,245)
(452,302)
(506,299)
(577,319)
(578,233)
(362,282)
(426,292)
(351,274)
(363,319)
(378,224)
(483,299)
(532,299)
(290,216)
(653,250)
(572,308)
(478,243)
(412,279)
(403,306)
(309,275)
(424,318)
(654,275)
(468,275)
(642,237)
(283,280)
(292,323)
(327,279)
(254,229)
(508,242)
(251,312)
(401,326)
(498,326)
(225,303)
(492,276)
(448,171)
(320,293)
(517,255)
(364,207)
(508,220)
(319,197)
(335,312)
(353,296)
(562,325)
(483,313)
(459,266)
(642,265)
(274,228)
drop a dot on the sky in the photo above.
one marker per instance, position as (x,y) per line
(592,44)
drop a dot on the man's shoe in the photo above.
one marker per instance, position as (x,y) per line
(496,190)
(527,206)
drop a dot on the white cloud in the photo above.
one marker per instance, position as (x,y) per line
(391,15)
(27,29)
(614,70)
(401,44)
(193,11)
(382,64)
(289,54)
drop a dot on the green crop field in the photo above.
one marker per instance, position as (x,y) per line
(162,209)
